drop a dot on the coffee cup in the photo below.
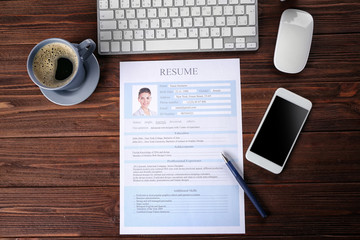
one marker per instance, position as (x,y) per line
(56,64)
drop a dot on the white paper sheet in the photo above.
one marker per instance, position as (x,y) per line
(172,177)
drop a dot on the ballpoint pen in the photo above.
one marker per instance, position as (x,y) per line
(244,186)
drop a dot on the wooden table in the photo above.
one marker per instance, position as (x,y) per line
(59,166)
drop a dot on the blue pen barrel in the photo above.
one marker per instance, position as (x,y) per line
(246,189)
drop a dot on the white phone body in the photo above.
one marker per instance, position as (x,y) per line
(278,130)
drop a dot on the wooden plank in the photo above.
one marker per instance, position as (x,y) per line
(41,162)
(335,106)
(329,61)
(329,16)
(330,209)
(94,161)
(206,237)
(316,157)
(34,20)
(25,112)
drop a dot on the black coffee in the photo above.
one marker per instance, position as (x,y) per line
(55,64)
(64,69)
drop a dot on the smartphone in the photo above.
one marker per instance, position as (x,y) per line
(278,130)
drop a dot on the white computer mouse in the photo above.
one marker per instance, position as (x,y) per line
(293,41)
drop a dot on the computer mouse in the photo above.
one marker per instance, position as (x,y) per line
(293,41)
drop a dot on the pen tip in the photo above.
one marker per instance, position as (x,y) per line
(223,156)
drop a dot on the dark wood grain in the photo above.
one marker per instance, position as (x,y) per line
(98,116)
(59,166)
(93,161)
(95,211)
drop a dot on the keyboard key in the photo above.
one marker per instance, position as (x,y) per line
(247,1)
(106,14)
(193,33)
(128,35)
(151,13)
(117,35)
(239,10)
(122,24)
(124,3)
(220,21)
(139,34)
(187,22)
(130,13)
(115,46)
(229,45)
(198,22)
(184,12)
(228,10)
(182,33)
(204,32)
(217,11)
(240,40)
(166,45)
(250,10)
(165,23)
(240,45)
(103,4)
(215,32)
(251,45)
(135,3)
(149,34)
(140,13)
(244,31)
(168,3)
(114,3)
(173,12)
(231,21)
(218,43)
(205,43)
(206,11)
(107,25)
(226,31)
(105,35)
(104,47)
(154,23)
(195,11)
(138,46)
(160,33)
(163,12)
(156,3)
(189,2)
(209,21)
(133,24)
(146,3)
(242,20)
(119,14)
(125,46)
(171,33)
(178,3)
(144,23)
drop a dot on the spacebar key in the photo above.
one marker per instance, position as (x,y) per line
(164,45)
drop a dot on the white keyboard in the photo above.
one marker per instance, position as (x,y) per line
(169,26)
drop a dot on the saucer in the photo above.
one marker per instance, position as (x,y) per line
(80,94)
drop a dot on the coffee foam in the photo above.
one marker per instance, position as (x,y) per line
(45,63)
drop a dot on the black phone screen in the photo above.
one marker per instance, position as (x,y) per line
(279,130)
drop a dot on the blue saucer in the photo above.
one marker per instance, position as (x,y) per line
(80,94)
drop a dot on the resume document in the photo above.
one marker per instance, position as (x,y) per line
(176,117)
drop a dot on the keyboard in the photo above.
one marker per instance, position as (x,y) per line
(171,26)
